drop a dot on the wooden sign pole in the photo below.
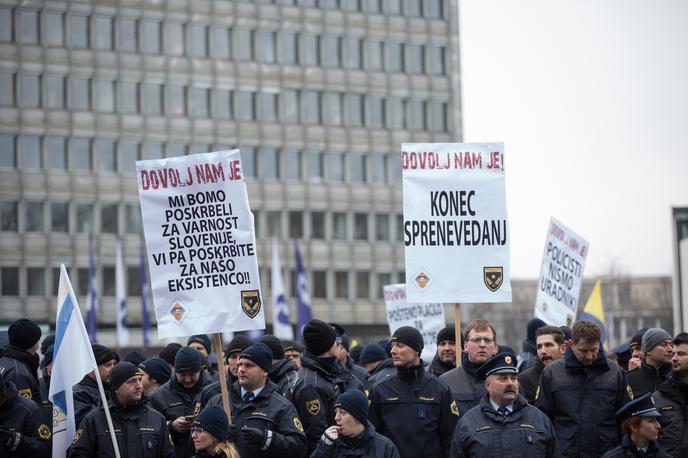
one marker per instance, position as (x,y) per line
(457,333)
(223,376)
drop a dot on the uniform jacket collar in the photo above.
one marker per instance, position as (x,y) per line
(599,365)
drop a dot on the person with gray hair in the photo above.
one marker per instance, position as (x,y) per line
(656,365)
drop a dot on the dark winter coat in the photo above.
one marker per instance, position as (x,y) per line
(283,374)
(356,370)
(368,444)
(628,449)
(529,380)
(671,399)
(18,414)
(21,368)
(437,367)
(382,371)
(647,379)
(465,386)
(86,398)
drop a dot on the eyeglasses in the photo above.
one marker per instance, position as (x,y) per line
(477,340)
(197,430)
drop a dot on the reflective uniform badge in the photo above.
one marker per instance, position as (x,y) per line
(77,435)
(44,432)
(313,406)
(537,392)
(629,390)
(298,424)
(454,408)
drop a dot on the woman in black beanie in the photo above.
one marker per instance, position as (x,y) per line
(210,434)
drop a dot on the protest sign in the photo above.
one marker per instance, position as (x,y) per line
(561,275)
(201,244)
(455,224)
(427,318)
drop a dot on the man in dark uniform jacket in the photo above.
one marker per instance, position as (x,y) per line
(413,408)
(581,393)
(656,365)
(178,400)
(238,344)
(445,358)
(375,361)
(480,345)
(264,423)
(319,381)
(284,370)
(24,432)
(503,424)
(343,356)
(550,346)
(19,362)
(141,431)
(86,393)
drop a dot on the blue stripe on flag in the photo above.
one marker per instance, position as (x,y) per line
(60,329)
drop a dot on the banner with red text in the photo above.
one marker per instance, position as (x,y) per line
(201,244)
(455,230)
(561,275)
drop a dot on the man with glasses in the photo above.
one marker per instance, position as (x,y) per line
(466,386)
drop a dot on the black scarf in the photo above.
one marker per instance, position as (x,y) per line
(21,355)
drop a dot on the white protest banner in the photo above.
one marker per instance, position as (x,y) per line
(201,244)
(455,224)
(561,275)
(427,318)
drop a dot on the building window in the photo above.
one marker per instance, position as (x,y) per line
(54,29)
(57,153)
(174,38)
(175,100)
(382,227)
(106,156)
(153,150)
(435,9)
(359,171)
(108,281)
(374,55)
(198,103)
(376,111)
(310,107)
(394,6)
(332,109)
(221,42)
(269,165)
(274,223)
(175,150)
(133,281)
(153,98)
(318,225)
(109,219)
(10,281)
(78,32)
(133,219)
(412,8)
(355,110)
(438,116)
(293,165)
(360,226)
(59,217)
(6,89)
(289,107)
(54,92)
(337,165)
(362,285)
(296,224)
(128,35)
(6,25)
(106,95)
(415,114)
(80,94)
(330,52)
(416,59)
(130,97)
(103,31)
(82,154)
(351,5)
(30,149)
(379,168)
(8,155)
(199,40)
(353,53)
(328,4)
(244,107)
(221,103)
(373,6)
(30,91)
(339,229)
(316,166)
(395,57)
(151,37)
(266,51)
(341,284)
(28,27)
(82,281)
(35,281)
(309,51)
(84,218)
(8,217)
(383,279)
(288,48)
(400,228)
(129,156)
(243,44)
(267,106)
(394,113)
(248,161)
(437,65)
(319,284)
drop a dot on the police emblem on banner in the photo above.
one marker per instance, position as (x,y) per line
(250,302)
(493,277)
(313,407)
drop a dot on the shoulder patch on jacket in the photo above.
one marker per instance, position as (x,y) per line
(537,392)
(313,407)
(44,432)
(454,408)
(297,424)
(26,392)
(77,435)
(629,390)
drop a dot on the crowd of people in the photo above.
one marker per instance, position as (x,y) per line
(564,395)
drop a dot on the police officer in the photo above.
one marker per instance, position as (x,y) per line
(140,430)
(23,429)
(342,354)
(480,345)
(238,344)
(656,364)
(86,392)
(639,423)
(580,394)
(283,372)
(155,373)
(445,358)
(503,424)
(201,343)
(179,399)
(19,363)
(550,346)
(413,408)
(265,423)
(293,350)
(375,361)
(319,381)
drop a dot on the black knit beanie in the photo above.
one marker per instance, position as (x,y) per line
(371,353)
(238,344)
(274,344)
(409,336)
(447,333)
(134,357)
(201,339)
(103,354)
(24,333)
(168,353)
(157,369)
(187,360)
(318,337)
(260,354)
(122,372)
(214,420)
(354,402)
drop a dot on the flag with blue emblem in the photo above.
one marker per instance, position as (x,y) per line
(280,309)
(121,299)
(72,360)
(594,311)
(304,311)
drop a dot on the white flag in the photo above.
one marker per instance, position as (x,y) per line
(121,300)
(72,360)
(280,309)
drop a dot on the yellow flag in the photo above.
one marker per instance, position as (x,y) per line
(594,311)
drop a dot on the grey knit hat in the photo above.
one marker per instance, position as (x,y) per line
(652,338)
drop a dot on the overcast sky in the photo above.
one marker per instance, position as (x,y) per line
(591,100)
